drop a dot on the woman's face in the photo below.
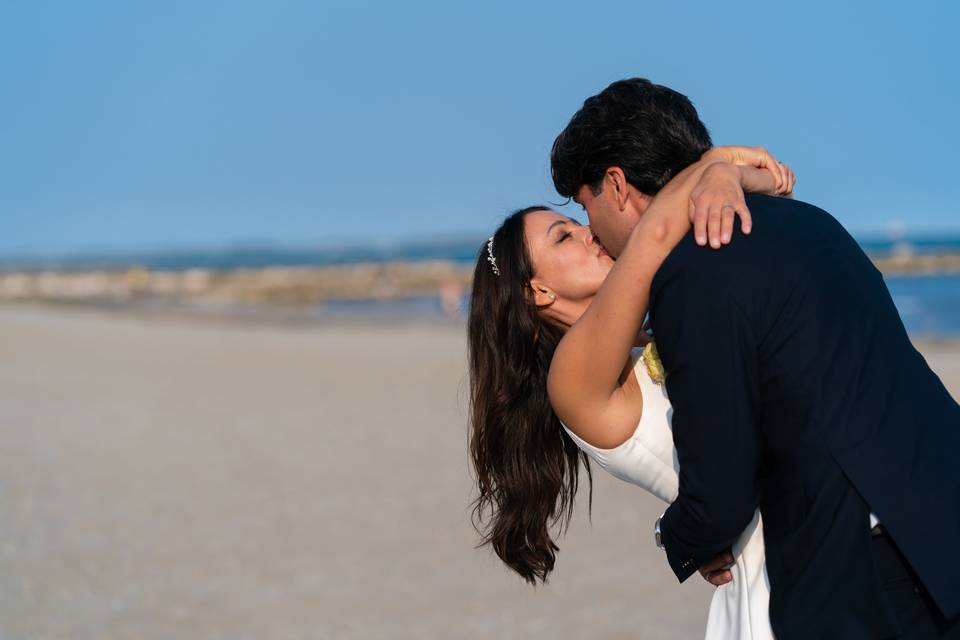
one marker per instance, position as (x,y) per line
(567,260)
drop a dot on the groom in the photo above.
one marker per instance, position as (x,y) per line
(795,388)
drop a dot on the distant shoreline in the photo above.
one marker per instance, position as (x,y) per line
(926,290)
(268,285)
(295,285)
(462,251)
(937,264)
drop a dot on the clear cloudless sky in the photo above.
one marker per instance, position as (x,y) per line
(184,124)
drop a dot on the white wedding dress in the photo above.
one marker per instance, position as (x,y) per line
(739,609)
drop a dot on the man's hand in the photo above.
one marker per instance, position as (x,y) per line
(717,571)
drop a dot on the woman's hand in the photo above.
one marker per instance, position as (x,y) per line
(714,202)
(718,195)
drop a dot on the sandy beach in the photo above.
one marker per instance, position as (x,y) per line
(172,478)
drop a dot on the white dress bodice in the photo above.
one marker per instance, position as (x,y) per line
(739,609)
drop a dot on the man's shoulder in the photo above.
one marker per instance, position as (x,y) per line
(796,216)
(781,227)
(765,201)
(786,232)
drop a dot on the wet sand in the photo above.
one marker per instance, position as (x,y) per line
(173,478)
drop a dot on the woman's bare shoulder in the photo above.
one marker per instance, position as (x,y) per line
(612,422)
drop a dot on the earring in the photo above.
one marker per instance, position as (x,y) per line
(553,296)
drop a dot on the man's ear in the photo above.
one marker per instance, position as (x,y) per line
(541,294)
(616,181)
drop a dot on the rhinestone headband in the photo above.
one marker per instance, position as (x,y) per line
(490,258)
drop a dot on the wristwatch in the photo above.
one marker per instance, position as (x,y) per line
(657,535)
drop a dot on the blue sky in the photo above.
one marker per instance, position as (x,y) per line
(135,125)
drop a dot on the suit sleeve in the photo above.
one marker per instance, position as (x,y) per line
(710,358)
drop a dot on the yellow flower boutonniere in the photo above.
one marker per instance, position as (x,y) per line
(654,366)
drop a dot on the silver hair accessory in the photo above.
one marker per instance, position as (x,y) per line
(490,258)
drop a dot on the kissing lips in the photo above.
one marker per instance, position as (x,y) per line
(603,250)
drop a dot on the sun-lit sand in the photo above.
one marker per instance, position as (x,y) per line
(168,478)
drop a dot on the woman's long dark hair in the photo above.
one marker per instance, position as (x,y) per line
(526,466)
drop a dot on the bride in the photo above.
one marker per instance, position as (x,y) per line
(534,278)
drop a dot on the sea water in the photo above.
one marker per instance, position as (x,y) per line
(928,305)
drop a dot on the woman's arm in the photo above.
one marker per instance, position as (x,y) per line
(586,380)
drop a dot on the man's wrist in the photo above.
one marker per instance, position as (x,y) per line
(658,533)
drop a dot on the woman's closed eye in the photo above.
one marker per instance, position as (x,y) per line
(564,226)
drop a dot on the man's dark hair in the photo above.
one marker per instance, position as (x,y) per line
(650,131)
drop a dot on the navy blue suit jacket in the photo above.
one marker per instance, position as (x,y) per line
(796,389)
